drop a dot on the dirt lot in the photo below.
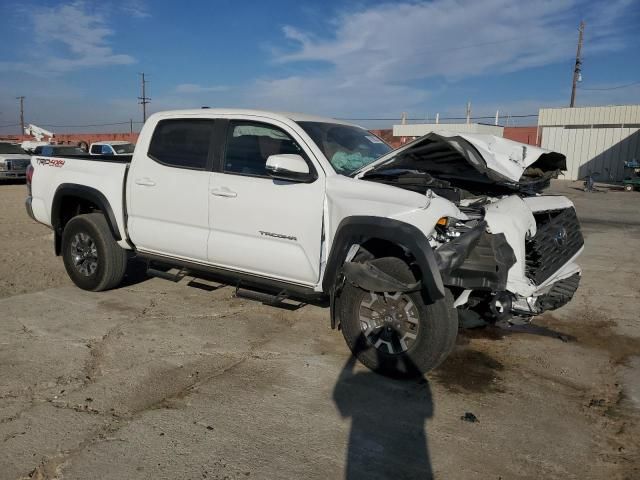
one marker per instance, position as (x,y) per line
(183,380)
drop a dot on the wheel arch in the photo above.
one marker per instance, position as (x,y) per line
(358,230)
(70,200)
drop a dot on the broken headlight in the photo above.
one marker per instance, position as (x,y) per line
(448,228)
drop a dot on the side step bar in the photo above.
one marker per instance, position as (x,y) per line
(172,277)
(275,300)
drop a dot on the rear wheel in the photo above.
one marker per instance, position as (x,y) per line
(92,258)
(397,333)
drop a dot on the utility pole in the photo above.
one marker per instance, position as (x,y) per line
(468,113)
(21,98)
(578,65)
(144,100)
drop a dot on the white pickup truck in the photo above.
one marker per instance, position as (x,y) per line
(407,244)
(13,161)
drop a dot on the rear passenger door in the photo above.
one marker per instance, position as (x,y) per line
(272,228)
(168,190)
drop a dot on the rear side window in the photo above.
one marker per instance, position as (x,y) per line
(182,143)
(96,149)
(249,144)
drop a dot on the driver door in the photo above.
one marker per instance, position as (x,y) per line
(260,225)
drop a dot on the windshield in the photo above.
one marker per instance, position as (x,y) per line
(11,148)
(347,148)
(124,148)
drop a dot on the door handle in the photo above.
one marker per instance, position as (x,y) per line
(223,192)
(147,182)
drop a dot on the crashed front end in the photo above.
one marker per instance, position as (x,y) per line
(516,259)
(512,252)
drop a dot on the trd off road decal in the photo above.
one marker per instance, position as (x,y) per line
(50,162)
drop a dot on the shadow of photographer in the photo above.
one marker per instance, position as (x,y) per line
(388,439)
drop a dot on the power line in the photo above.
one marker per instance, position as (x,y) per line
(394,119)
(86,125)
(612,88)
(10,125)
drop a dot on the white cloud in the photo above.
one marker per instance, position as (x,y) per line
(377,55)
(68,37)
(452,38)
(193,88)
(135,8)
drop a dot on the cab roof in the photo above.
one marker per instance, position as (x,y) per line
(212,112)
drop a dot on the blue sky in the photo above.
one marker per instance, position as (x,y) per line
(77,62)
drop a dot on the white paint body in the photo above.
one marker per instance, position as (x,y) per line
(220,219)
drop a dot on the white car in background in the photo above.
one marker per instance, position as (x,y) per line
(112,147)
(13,161)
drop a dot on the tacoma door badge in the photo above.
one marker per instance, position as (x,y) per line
(278,235)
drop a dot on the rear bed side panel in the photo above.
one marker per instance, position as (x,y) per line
(102,176)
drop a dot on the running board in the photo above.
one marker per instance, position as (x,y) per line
(172,277)
(278,300)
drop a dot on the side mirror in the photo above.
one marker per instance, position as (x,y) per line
(290,167)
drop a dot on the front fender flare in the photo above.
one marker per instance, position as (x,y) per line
(359,229)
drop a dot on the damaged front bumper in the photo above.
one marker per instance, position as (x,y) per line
(476,260)
(519,261)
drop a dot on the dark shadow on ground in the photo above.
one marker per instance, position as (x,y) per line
(494,332)
(136,273)
(13,181)
(388,439)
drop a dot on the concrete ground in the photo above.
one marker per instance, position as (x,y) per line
(183,380)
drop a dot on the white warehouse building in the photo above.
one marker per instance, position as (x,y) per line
(595,140)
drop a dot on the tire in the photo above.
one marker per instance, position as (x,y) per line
(628,188)
(435,334)
(92,258)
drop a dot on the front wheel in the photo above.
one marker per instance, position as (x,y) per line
(92,258)
(397,333)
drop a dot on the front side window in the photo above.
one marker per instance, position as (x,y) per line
(249,144)
(182,143)
(348,148)
(96,149)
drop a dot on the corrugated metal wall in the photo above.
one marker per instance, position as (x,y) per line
(596,140)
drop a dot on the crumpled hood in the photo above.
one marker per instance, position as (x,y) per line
(468,159)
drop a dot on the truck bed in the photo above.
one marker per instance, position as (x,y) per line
(103,177)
